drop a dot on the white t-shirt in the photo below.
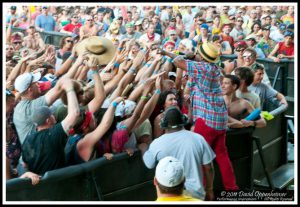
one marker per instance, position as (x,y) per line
(188,20)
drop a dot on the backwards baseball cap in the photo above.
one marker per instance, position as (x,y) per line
(40,114)
(129,25)
(125,108)
(24,81)
(169,172)
(204,26)
(13,8)
(282,26)
(289,33)
(173,118)
(240,44)
(171,32)
(251,37)
(169,43)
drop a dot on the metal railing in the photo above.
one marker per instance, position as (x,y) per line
(52,38)
(127,179)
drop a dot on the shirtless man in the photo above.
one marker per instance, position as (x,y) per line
(33,40)
(88,29)
(238,108)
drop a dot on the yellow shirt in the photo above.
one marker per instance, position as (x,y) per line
(178,198)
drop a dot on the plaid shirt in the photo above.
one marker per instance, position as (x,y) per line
(206,94)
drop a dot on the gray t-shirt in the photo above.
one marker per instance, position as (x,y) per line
(188,147)
(265,92)
(249,96)
(22,116)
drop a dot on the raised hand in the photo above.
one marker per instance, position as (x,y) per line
(92,63)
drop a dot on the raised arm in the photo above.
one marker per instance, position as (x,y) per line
(73,106)
(130,122)
(149,107)
(99,95)
(129,76)
(85,146)
(178,60)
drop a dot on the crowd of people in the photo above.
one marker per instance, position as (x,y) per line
(139,77)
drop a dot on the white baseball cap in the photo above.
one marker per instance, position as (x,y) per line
(23,81)
(169,172)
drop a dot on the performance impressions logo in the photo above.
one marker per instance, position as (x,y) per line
(255,195)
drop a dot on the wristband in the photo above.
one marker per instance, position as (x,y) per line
(132,70)
(72,58)
(94,72)
(114,104)
(170,60)
(154,72)
(70,90)
(120,48)
(157,91)
(144,97)
(10,26)
(117,65)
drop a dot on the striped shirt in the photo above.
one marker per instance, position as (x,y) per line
(206,94)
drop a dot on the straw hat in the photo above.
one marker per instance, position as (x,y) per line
(99,47)
(114,28)
(209,52)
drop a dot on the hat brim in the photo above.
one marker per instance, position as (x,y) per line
(206,56)
(36,77)
(106,56)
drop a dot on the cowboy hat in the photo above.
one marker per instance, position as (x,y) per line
(99,47)
(209,52)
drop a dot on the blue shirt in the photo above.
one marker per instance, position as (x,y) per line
(45,22)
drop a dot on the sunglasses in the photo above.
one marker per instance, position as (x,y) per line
(240,21)
(17,43)
(89,20)
(239,50)
(75,17)
(45,7)
(70,41)
(247,56)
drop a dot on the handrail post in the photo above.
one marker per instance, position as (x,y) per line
(260,151)
(276,76)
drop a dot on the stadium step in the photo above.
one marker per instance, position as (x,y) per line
(281,177)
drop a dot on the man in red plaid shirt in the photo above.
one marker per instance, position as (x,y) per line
(209,109)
